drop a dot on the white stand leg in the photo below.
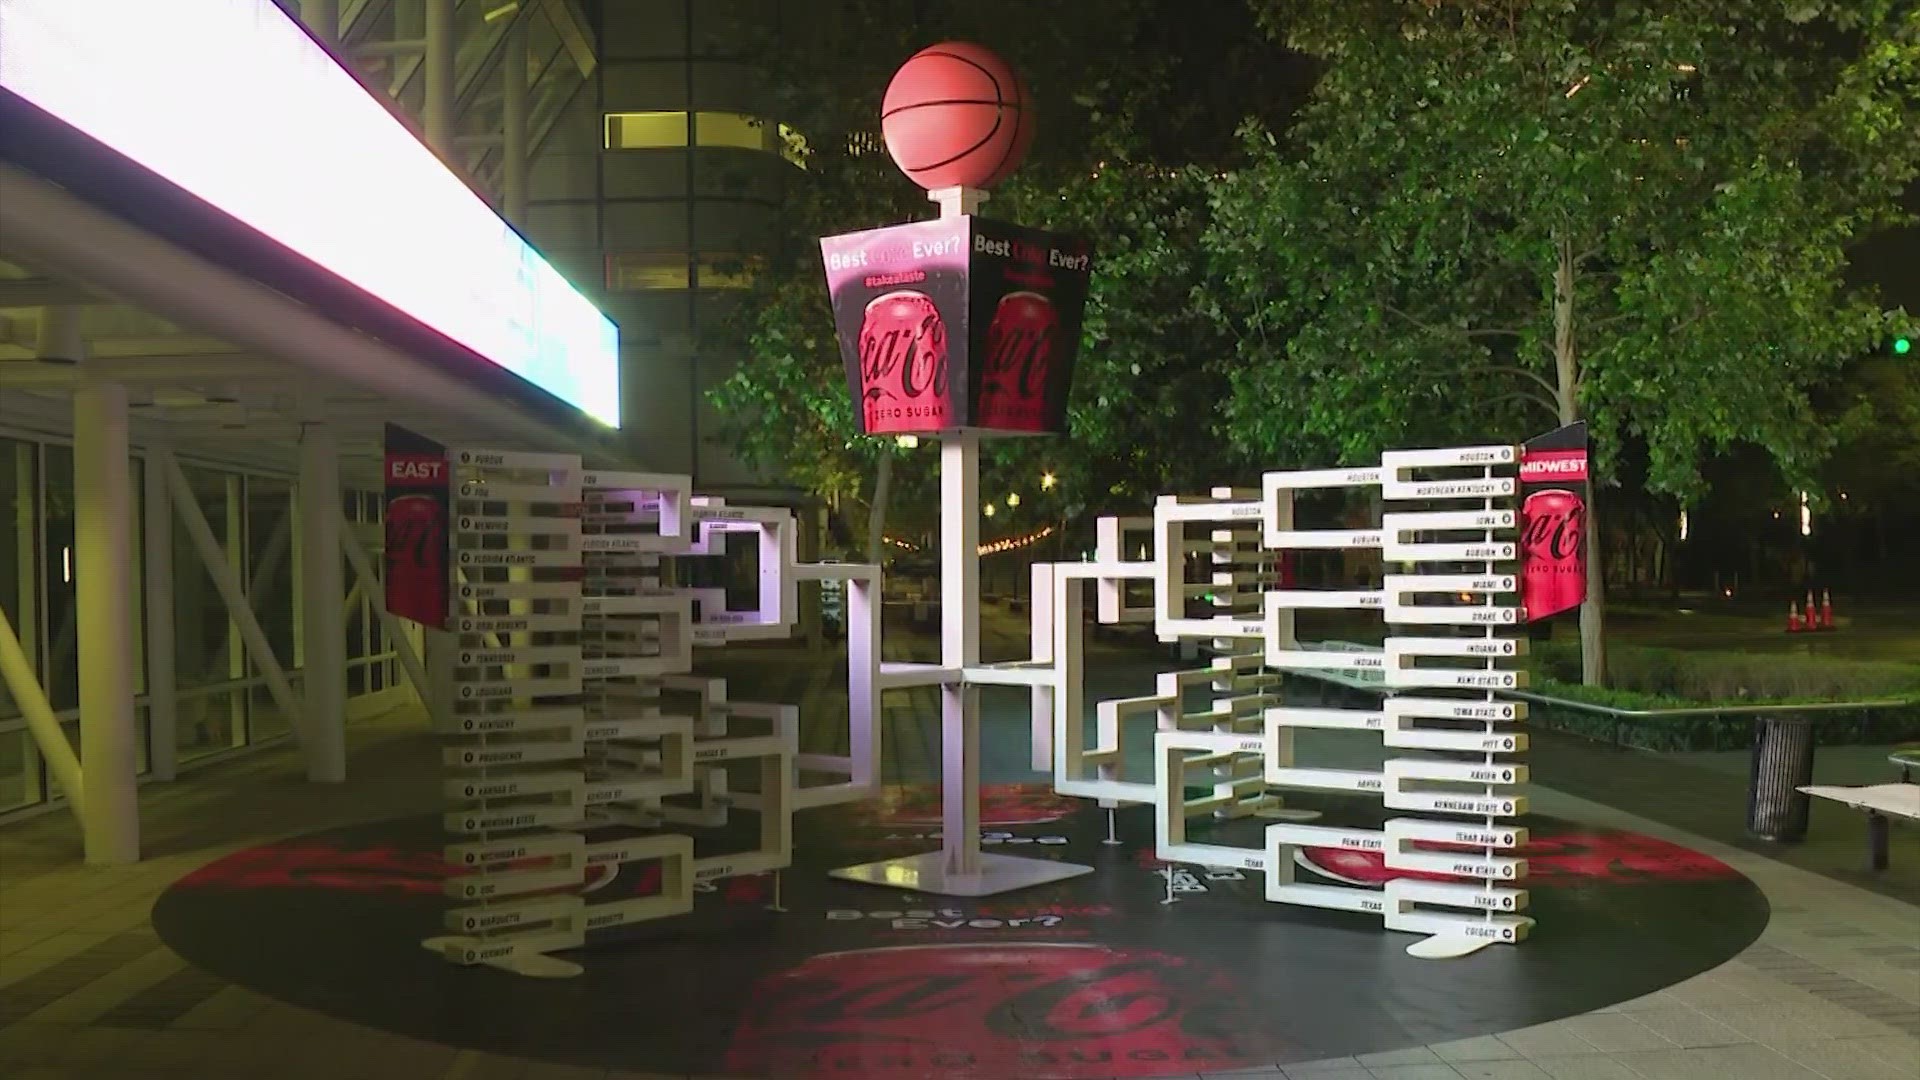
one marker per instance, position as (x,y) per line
(1112,836)
(959,868)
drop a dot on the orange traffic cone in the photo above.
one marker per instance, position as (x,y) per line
(1826,609)
(1793,616)
(1812,619)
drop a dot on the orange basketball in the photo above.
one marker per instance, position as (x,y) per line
(956,115)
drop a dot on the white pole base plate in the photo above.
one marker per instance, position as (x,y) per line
(927,874)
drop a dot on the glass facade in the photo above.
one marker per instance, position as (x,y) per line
(223,706)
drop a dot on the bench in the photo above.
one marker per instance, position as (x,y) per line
(1881,803)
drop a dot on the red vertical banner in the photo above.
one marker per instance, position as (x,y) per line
(418,498)
(1553,521)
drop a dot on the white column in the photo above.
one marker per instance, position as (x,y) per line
(513,149)
(322,17)
(438,69)
(109,752)
(162,679)
(960,647)
(324,627)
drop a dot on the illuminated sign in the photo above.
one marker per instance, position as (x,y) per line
(233,102)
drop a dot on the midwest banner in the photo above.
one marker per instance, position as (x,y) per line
(958,323)
(418,499)
(1553,521)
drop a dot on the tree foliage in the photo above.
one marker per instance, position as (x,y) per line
(1498,214)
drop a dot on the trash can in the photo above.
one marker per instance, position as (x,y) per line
(1782,764)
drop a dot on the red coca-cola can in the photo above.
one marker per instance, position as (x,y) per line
(903,365)
(1017,1009)
(1553,552)
(418,585)
(1021,341)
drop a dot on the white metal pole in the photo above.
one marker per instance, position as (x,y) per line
(959,648)
(163,702)
(227,583)
(438,69)
(513,149)
(103,520)
(322,17)
(325,628)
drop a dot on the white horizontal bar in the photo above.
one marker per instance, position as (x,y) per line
(1327,719)
(1325,538)
(1450,456)
(483,852)
(521,590)
(1473,742)
(1459,615)
(517,722)
(514,459)
(494,491)
(1443,520)
(1492,488)
(512,817)
(1499,679)
(518,785)
(537,752)
(531,654)
(1457,772)
(1449,803)
(514,624)
(1405,707)
(508,524)
(546,560)
(1320,478)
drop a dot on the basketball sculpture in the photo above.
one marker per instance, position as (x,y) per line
(956,115)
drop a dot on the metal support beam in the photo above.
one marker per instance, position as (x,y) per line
(102,553)
(60,338)
(325,629)
(442,54)
(323,18)
(163,702)
(17,671)
(40,292)
(227,583)
(513,151)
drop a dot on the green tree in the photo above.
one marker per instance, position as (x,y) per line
(1496,215)
(1117,126)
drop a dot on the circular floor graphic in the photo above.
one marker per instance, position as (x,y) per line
(1095,976)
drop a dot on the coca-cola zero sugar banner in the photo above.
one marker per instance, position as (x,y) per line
(958,323)
(418,583)
(1553,521)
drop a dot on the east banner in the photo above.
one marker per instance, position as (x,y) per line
(418,500)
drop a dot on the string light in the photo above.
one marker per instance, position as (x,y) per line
(1013,500)
(1010,543)
(1047,481)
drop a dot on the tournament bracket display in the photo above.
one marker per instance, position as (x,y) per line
(580,746)
(1451,602)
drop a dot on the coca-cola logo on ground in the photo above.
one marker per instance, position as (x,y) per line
(1572,859)
(1553,544)
(904,384)
(1020,346)
(1066,1011)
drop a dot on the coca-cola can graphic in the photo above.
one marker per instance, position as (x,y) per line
(1021,341)
(1553,549)
(904,384)
(1039,1010)
(417,585)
